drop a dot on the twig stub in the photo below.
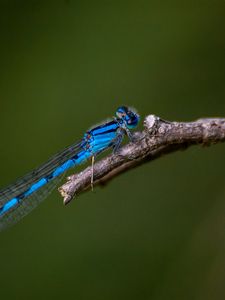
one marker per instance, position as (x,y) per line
(159,137)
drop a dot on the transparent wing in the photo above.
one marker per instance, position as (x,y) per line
(23,183)
(27,204)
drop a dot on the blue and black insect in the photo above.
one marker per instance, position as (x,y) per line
(19,198)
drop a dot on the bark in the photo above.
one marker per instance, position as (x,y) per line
(158,138)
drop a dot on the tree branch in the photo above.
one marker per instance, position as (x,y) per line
(158,138)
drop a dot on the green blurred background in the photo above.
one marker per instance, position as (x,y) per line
(157,232)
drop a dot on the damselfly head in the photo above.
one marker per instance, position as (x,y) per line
(128,115)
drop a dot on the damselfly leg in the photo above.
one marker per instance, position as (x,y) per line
(92,172)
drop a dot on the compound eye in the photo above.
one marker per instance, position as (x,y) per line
(121,112)
(132,120)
